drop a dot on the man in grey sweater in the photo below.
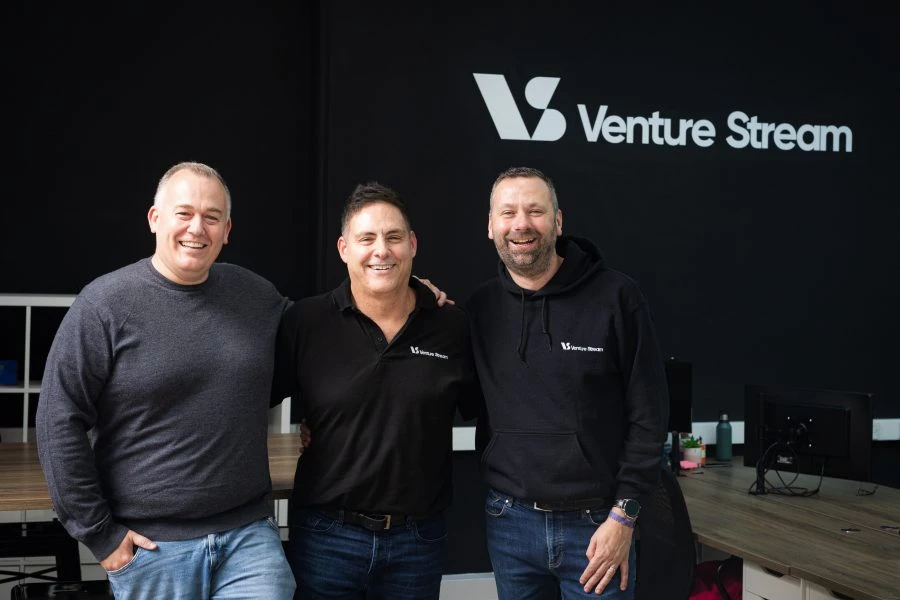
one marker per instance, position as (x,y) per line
(152,419)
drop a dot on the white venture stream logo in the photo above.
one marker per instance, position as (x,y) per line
(654,130)
(417,350)
(572,347)
(506,116)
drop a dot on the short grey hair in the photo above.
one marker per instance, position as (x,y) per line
(513,172)
(198,169)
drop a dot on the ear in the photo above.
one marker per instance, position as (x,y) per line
(490,227)
(227,230)
(413,242)
(152,218)
(558,222)
(342,248)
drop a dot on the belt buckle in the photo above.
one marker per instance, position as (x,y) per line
(374,522)
(537,506)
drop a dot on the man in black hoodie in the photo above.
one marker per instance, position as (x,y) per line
(576,403)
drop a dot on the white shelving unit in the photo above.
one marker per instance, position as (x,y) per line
(27,389)
(29,385)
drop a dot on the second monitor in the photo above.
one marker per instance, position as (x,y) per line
(809,431)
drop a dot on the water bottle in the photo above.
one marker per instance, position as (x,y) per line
(723,438)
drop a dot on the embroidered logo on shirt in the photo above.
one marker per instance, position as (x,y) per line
(417,350)
(569,346)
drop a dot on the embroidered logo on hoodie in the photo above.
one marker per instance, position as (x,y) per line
(417,350)
(569,346)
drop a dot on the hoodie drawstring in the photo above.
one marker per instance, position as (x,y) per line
(521,348)
(545,326)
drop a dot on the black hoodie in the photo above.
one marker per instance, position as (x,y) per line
(575,389)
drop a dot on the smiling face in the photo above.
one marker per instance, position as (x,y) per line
(524,226)
(191,223)
(378,248)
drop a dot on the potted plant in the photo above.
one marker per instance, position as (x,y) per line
(691,450)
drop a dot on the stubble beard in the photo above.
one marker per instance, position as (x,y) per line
(528,264)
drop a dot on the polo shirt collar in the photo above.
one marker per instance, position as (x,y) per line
(425,299)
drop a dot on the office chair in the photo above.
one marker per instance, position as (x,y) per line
(73,590)
(719,580)
(666,553)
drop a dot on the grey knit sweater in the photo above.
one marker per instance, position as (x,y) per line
(153,407)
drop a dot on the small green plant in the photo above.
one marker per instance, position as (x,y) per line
(690,442)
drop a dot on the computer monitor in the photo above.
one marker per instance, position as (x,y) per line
(809,431)
(679,378)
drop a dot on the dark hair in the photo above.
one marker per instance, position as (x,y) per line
(526,172)
(370,193)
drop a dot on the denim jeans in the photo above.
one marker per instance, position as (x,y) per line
(246,562)
(540,555)
(332,559)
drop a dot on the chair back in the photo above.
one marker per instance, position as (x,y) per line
(666,551)
(74,590)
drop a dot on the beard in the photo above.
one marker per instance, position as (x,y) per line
(528,263)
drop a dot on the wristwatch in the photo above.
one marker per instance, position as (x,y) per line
(631,507)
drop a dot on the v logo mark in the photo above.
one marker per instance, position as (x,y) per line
(506,116)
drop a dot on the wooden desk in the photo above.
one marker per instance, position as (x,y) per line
(838,497)
(23,487)
(22,484)
(802,537)
(284,450)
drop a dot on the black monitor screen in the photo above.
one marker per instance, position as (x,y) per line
(809,431)
(680,383)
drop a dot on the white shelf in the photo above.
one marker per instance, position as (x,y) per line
(12,389)
(28,302)
(34,387)
(62,300)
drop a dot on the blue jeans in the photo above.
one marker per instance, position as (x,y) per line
(332,559)
(540,555)
(246,562)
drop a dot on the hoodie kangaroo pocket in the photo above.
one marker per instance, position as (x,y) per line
(540,465)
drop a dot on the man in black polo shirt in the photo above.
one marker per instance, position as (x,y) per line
(378,371)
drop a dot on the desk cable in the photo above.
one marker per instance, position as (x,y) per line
(763,486)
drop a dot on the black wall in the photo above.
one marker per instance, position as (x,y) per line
(761,266)
(103,99)
(106,98)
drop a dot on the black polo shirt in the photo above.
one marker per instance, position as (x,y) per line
(381,414)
